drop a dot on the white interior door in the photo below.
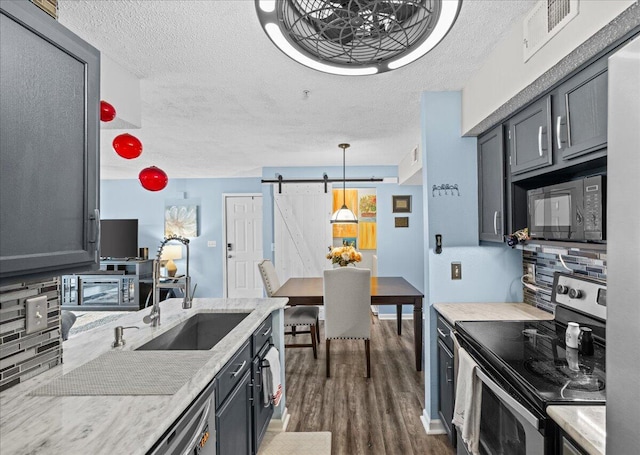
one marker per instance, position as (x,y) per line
(302,232)
(244,245)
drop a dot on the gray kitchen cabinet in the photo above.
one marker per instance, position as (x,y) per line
(580,112)
(491,192)
(530,137)
(49,166)
(261,413)
(233,405)
(233,420)
(446,380)
(241,416)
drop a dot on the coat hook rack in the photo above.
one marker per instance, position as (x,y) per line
(446,187)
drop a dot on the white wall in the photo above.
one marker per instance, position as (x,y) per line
(504,74)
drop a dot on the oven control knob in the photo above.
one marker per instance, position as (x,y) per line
(575,293)
(562,289)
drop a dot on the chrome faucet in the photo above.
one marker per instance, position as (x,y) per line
(183,283)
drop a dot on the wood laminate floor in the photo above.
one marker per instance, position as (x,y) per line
(380,415)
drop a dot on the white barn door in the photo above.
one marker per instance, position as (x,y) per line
(302,232)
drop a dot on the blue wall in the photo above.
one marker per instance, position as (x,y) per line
(451,159)
(489,273)
(127,199)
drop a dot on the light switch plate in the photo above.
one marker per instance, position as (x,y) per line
(456,270)
(211,243)
(36,314)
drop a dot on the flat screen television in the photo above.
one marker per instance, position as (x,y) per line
(118,239)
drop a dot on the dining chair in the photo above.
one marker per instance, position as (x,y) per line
(347,298)
(293,316)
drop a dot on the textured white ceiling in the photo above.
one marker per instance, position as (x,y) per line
(220,100)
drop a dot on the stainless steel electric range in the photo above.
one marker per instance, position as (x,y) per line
(526,366)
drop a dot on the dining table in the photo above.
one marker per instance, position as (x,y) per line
(388,290)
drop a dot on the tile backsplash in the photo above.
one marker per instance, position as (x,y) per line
(23,356)
(586,261)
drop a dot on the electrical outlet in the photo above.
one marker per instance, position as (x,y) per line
(211,243)
(456,270)
(36,320)
(531,271)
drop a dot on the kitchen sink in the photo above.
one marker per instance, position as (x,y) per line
(198,333)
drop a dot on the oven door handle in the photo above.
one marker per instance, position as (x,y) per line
(508,399)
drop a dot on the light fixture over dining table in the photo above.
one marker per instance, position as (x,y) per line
(343,215)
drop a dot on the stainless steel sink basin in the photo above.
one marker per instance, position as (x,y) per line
(198,333)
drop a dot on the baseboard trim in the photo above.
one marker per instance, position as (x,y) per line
(280,424)
(389,316)
(432,426)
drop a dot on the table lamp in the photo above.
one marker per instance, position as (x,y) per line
(169,253)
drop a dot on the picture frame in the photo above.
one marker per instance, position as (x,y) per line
(181,220)
(401,204)
(402,221)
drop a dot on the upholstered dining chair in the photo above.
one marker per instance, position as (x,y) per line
(347,301)
(293,316)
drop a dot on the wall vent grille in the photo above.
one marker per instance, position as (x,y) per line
(544,21)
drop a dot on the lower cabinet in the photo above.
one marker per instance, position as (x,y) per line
(241,416)
(233,420)
(446,380)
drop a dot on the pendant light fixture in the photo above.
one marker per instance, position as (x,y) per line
(343,214)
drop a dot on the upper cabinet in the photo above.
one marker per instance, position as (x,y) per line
(49,133)
(491,185)
(530,137)
(580,112)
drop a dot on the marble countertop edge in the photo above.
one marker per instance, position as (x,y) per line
(586,425)
(490,311)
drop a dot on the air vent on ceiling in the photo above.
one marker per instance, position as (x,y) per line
(544,21)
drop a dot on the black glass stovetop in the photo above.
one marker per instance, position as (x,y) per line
(532,356)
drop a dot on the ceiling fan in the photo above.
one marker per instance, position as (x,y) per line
(344,35)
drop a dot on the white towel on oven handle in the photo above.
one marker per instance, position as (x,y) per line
(466,413)
(272,388)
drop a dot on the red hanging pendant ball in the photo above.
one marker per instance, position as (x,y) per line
(127,146)
(107,111)
(153,178)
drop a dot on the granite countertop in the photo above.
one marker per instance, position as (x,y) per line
(129,424)
(584,424)
(453,312)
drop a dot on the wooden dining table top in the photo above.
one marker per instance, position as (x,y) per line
(382,288)
(385,290)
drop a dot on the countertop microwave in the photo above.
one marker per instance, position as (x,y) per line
(571,211)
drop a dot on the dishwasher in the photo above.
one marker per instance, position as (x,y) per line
(194,431)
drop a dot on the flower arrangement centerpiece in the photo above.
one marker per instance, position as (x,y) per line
(344,255)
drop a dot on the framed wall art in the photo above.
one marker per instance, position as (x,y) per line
(181,220)
(401,204)
(402,221)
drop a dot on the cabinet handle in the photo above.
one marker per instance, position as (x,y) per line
(237,372)
(98,231)
(442,334)
(540,141)
(266,332)
(446,373)
(558,126)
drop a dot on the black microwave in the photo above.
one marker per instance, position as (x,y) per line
(573,211)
